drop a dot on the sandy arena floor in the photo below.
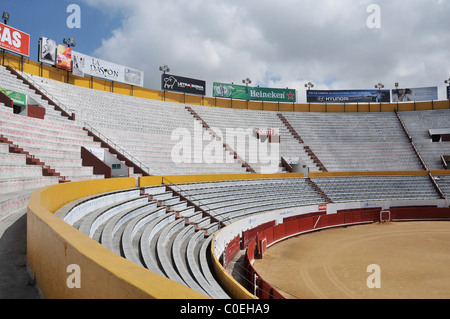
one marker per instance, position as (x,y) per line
(414,261)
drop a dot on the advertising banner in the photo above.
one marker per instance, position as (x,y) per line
(18,98)
(64,58)
(14,40)
(242,92)
(448,92)
(182,84)
(47,51)
(416,94)
(348,96)
(87,65)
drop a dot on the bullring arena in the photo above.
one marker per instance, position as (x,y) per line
(412,256)
(374,193)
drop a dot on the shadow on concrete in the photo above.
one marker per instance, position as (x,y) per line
(15,279)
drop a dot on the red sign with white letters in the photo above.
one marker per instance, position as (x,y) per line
(14,40)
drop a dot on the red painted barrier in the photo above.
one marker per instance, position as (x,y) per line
(317,221)
(250,234)
(232,248)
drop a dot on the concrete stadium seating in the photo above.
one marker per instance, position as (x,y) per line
(136,225)
(418,123)
(144,128)
(377,188)
(356,141)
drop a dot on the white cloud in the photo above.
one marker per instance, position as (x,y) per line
(284,43)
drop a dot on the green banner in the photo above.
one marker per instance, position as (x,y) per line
(18,98)
(242,92)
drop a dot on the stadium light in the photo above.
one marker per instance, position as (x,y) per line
(164,69)
(447,81)
(247,81)
(5,17)
(397,85)
(69,42)
(309,85)
(379,86)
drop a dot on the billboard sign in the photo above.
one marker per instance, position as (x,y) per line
(348,96)
(416,94)
(182,84)
(242,92)
(14,40)
(87,65)
(47,51)
(16,97)
(64,58)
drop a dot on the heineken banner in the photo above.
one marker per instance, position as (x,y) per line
(183,85)
(417,94)
(348,96)
(242,92)
(18,98)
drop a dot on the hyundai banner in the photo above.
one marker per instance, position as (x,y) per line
(87,65)
(14,40)
(182,84)
(242,92)
(348,96)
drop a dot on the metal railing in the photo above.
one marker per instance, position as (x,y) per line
(48,94)
(119,149)
(192,199)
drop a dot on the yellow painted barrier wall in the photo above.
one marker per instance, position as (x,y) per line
(186,179)
(49,72)
(231,286)
(379,173)
(54,246)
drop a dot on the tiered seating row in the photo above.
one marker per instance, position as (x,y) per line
(11,82)
(18,180)
(444,184)
(142,226)
(346,189)
(246,121)
(56,144)
(230,201)
(418,123)
(152,131)
(356,141)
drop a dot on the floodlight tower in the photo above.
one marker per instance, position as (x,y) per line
(5,17)
(70,42)
(448,89)
(309,85)
(247,81)
(379,86)
(164,69)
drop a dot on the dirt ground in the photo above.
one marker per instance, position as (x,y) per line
(413,260)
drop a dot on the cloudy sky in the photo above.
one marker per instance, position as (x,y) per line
(283,43)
